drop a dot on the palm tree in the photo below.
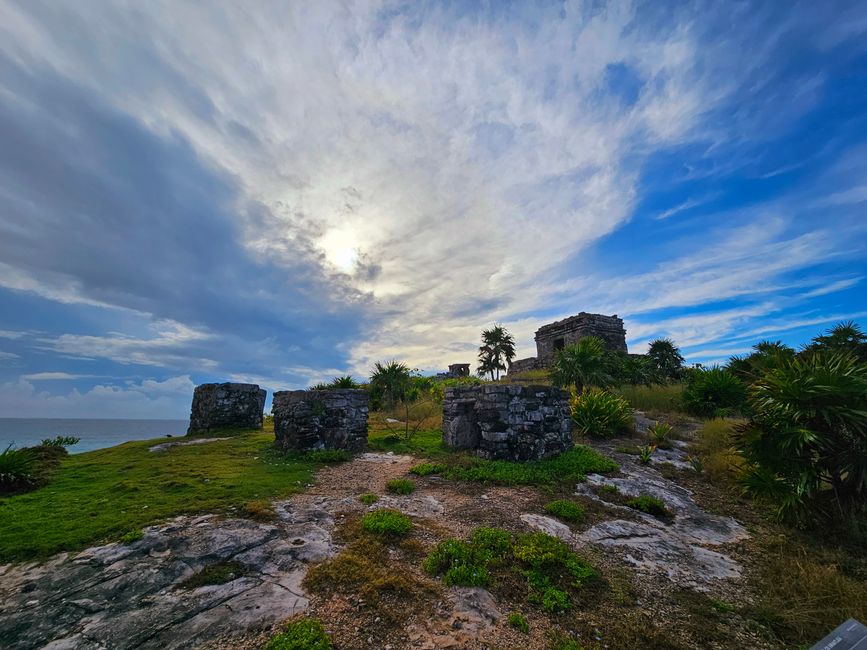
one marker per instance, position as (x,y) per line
(390,382)
(582,364)
(666,357)
(843,337)
(344,382)
(496,352)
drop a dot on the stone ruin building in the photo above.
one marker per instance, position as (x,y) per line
(555,336)
(228,405)
(321,419)
(456,371)
(507,422)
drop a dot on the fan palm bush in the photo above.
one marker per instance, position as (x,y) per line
(16,469)
(713,392)
(666,358)
(581,364)
(598,413)
(389,383)
(805,444)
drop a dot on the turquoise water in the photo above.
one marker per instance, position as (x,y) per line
(94,434)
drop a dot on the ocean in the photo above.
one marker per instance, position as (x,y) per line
(94,434)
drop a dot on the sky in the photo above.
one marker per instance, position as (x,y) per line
(282,192)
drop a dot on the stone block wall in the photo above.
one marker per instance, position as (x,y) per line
(569,330)
(507,422)
(321,419)
(228,405)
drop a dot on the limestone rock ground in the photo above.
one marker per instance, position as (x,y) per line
(132,596)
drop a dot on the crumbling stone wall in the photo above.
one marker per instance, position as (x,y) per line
(228,405)
(321,419)
(507,422)
(559,334)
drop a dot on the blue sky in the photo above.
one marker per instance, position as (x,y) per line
(282,192)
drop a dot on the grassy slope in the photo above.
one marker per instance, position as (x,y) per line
(101,495)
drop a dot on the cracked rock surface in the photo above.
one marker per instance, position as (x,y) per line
(133,596)
(678,549)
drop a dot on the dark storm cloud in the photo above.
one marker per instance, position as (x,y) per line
(94,200)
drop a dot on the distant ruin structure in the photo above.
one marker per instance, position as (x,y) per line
(227,405)
(507,421)
(555,336)
(456,371)
(321,419)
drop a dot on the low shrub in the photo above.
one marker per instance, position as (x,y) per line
(424,469)
(649,504)
(17,469)
(645,453)
(805,445)
(598,413)
(60,441)
(551,568)
(564,509)
(714,392)
(466,564)
(303,634)
(519,622)
(368,499)
(132,536)
(400,486)
(714,450)
(389,523)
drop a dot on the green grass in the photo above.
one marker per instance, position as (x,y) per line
(101,495)
(570,466)
(427,442)
(400,486)
(389,523)
(424,469)
(368,499)
(565,509)
(657,397)
(302,634)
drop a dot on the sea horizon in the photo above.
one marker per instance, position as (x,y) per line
(95,433)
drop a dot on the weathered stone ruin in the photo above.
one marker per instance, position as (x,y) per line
(507,422)
(224,406)
(456,371)
(555,336)
(321,419)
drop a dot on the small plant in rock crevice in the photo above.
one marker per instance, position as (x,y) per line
(518,622)
(659,435)
(645,453)
(650,505)
(368,499)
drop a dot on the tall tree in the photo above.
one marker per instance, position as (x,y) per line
(582,364)
(496,352)
(666,356)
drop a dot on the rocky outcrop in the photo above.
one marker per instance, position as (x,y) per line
(507,422)
(321,419)
(226,406)
(134,596)
(686,549)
